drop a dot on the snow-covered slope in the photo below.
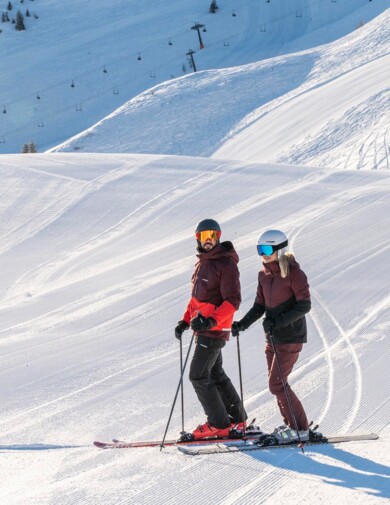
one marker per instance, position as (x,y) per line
(97,250)
(96,255)
(339,117)
(328,106)
(75,41)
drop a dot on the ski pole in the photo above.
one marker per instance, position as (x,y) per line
(177,391)
(240,374)
(286,392)
(181,385)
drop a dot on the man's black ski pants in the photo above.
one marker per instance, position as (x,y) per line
(215,391)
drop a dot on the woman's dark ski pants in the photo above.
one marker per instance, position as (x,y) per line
(221,402)
(288,355)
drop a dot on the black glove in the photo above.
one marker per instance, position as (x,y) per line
(181,326)
(268,325)
(202,323)
(237,326)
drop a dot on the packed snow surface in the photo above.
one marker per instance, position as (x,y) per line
(289,104)
(96,256)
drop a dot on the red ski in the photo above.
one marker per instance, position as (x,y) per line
(252,432)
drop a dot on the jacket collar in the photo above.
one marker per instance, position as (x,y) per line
(272,268)
(224,249)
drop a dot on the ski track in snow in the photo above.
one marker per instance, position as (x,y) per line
(107,378)
(55,209)
(138,219)
(130,377)
(76,308)
(352,409)
(330,348)
(347,195)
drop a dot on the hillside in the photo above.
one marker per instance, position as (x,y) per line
(62,56)
(284,125)
(96,256)
(327,106)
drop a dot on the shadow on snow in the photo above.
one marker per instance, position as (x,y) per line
(335,466)
(37,447)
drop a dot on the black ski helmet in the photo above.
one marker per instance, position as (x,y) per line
(207,224)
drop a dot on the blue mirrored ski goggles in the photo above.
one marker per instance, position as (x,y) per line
(266,250)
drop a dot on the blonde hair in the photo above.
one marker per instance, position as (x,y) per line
(284,259)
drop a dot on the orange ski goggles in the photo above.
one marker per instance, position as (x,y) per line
(202,236)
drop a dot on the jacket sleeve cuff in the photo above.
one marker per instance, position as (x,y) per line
(299,310)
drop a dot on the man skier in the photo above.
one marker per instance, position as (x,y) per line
(216,295)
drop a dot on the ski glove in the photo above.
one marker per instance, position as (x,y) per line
(237,326)
(180,328)
(268,325)
(202,323)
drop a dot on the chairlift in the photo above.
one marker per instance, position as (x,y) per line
(170,42)
(234,13)
(38,97)
(72,84)
(204,29)
(115,91)
(4,110)
(104,69)
(139,57)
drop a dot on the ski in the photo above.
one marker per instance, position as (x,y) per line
(186,439)
(261,444)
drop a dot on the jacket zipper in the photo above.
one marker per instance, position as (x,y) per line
(270,293)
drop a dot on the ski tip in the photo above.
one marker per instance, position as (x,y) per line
(101,445)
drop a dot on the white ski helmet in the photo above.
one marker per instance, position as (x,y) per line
(271,241)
